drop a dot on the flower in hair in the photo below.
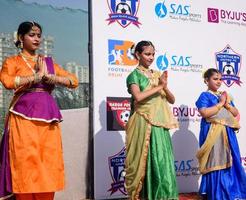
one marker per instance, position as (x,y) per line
(15,37)
(133,47)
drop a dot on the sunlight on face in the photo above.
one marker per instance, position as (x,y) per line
(32,40)
(146,58)
(214,82)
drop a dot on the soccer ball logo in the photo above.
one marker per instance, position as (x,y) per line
(116,167)
(124,116)
(228,69)
(123,8)
(123,12)
(229,63)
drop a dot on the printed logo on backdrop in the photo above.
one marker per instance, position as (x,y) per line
(186,114)
(118,112)
(177,63)
(116,167)
(229,63)
(162,62)
(175,11)
(120,58)
(213,15)
(124,12)
(186,168)
(229,17)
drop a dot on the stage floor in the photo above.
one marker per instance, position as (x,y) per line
(182,196)
(190,196)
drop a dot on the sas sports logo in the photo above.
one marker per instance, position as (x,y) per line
(124,12)
(229,63)
(161,9)
(163,61)
(175,11)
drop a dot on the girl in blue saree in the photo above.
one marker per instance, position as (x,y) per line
(223,177)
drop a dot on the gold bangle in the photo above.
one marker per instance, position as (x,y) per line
(228,107)
(37,78)
(51,79)
(70,81)
(29,81)
(218,107)
(17,81)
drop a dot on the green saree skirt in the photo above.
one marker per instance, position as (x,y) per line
(160,178)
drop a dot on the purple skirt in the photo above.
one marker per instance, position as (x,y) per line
(37,105)
(5,173)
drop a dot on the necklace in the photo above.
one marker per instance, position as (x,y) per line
(144,69)
(150,74)
(217,93)
(33,58)
(27,63)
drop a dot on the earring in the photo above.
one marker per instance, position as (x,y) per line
(21,45)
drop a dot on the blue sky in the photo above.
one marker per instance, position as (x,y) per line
(76,4)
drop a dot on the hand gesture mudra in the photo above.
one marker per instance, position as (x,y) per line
(42,71)
(163,79)
(41,66)
(223,98)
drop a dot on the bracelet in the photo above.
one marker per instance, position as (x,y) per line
(29,80)
(54,79)
(228,106)
(163,94)
(37,78)
(17,81)
(218,107)
(70,81)
(51,79)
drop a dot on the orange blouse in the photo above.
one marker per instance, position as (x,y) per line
(15,66)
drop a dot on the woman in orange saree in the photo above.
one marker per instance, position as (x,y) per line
(31,150)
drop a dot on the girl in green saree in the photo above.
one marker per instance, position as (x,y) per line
(149,165)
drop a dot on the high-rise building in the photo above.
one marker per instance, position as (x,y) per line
(85,74)
(47,46)
(7,48)
(82,72)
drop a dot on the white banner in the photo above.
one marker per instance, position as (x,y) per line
(189,37)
